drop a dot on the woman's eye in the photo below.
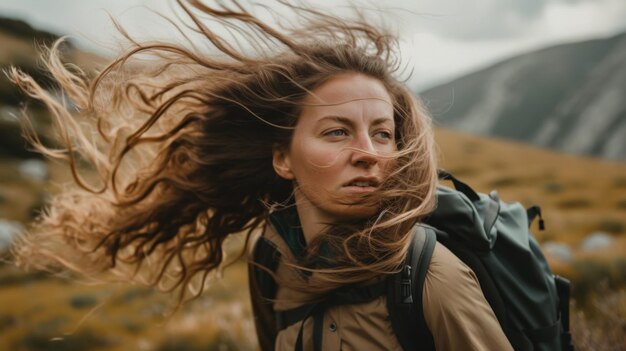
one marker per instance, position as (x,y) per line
(384,134)
(336,133)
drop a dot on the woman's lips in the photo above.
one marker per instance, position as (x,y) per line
(358,189)
(363,182)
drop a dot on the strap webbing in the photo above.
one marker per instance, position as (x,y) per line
(343,296)
(318,328)
(406,314)
(312,310)
(459,185)
(563,290)
(532,212)
(267,255)
(491,215)
(422,263)
(291,316)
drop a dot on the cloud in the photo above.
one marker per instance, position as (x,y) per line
(440,38)
(437,56)
(480,20)
(581,19)
(472,20)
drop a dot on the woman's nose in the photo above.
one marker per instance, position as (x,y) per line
(364,152)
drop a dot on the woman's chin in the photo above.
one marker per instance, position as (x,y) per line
(355,212)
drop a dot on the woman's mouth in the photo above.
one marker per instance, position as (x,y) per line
(362,184)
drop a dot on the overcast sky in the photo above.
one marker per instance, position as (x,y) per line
(441,39)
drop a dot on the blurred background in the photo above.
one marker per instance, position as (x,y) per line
(529,98)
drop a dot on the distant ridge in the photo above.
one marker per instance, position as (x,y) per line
(23,30)
(570,97)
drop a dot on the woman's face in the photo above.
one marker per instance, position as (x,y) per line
(339,145)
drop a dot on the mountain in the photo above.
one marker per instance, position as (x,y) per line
(570,97)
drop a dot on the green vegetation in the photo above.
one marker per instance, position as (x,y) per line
(619,182)
(505,182)
(84,340)
(612,226)
(574,203)
(554,188)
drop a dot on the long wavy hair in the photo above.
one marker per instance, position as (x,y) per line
(181,137)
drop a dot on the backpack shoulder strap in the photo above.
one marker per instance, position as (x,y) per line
(263,291)
(266,254)
(404,293)
(422,263)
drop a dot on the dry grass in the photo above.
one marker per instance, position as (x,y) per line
(55,314)
(606,329)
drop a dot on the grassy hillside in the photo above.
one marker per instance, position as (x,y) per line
(578,196)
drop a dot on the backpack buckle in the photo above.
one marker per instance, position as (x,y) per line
(405,285)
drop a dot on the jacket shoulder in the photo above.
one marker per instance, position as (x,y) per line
(454,304)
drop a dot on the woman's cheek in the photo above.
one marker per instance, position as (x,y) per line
(324,157)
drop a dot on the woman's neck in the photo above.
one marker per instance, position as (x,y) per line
(312,219)
(312,223)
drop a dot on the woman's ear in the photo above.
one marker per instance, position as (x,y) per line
(282,163)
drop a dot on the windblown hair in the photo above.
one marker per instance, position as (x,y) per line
(182,137)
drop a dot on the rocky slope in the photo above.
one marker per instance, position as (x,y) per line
(570,97)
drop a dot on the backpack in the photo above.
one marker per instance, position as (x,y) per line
(491,237)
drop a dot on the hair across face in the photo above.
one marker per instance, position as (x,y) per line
(341,148)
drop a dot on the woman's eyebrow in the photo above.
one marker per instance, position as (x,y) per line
(382,120)
(348,121)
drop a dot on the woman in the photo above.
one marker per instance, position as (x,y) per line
(304,134)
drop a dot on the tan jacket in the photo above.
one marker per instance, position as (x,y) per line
(455,310)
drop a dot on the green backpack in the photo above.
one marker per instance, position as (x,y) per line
(490,236)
